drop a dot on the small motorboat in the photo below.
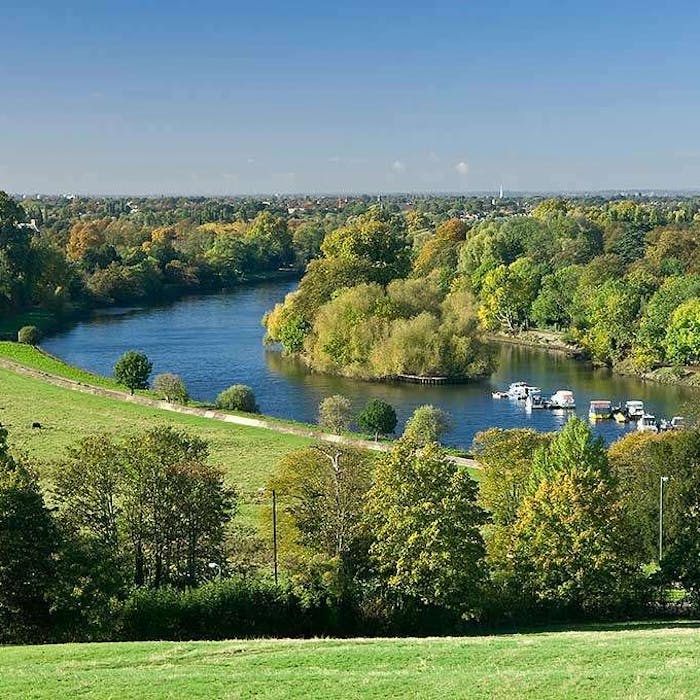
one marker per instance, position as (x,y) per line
(499,394)
(618,414)
(534,399)
(647,424)
(634,410)
(563,399)
(518,390)
(600,410)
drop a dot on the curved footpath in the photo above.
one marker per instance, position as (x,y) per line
(207,412)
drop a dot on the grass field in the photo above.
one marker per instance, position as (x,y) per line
(625,663)
(246,454)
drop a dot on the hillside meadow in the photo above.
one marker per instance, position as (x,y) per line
(246,454)
(620,663)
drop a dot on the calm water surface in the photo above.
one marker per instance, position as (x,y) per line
(216,341)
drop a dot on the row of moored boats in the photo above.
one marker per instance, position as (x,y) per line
(563,399)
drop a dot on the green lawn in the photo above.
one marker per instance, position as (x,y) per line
(246,454)
(625,663)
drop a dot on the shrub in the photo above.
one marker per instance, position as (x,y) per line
(132,370)
(171,387)
(231,608)
(335,413)
(238,397)
(377,417)
(29,335)
(427,424)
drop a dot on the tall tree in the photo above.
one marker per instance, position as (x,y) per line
(28,547)
(426,523)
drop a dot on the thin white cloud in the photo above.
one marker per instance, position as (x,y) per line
(462,167)
(398,167)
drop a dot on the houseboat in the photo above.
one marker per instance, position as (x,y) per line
(634,410)
(534,399)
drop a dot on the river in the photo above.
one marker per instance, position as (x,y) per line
(216,341)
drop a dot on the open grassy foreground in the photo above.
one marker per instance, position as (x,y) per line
(625,663)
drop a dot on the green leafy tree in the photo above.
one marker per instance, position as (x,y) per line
(427,424)
(377,417)
(133,370)
(151,503)
(335,413)
(507,295)
(171,387)
(573,548)
(322,492)
(238,397)
(28,546)
(656,317)
(29,335)
(682,341)
(426,524)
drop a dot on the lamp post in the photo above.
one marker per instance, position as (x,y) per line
(662,481)
(274,530)
(215,567)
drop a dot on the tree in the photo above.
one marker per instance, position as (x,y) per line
(28,335)
(507,295)
(377,417)
(171,387)
(573,548)
(133,370)
(427,424)
(14,252)
(682,341)
(426,524)
(238,397)
(28,546)
(151,503)
(335,413)
(323,491)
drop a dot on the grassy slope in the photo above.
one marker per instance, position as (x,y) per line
(652,663)
(246,454)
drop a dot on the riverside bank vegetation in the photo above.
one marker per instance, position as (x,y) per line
(392,294)
(406,286)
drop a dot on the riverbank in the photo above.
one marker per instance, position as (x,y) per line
(553,341)
(50,321)
(33,362)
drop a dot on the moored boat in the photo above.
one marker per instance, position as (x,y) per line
(534,399)
(634,410)
(518,390)
(647,424)
(563,398)
(600,410)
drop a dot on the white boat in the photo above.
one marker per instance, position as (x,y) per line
(677,423)
(647,424)
(534,399)
(499,394)
(518,390)
(562,399)
(634,409)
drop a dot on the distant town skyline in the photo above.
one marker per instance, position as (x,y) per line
(228,99)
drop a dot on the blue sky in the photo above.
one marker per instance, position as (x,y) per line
(231,97)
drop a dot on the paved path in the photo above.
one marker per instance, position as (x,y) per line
(207,412)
